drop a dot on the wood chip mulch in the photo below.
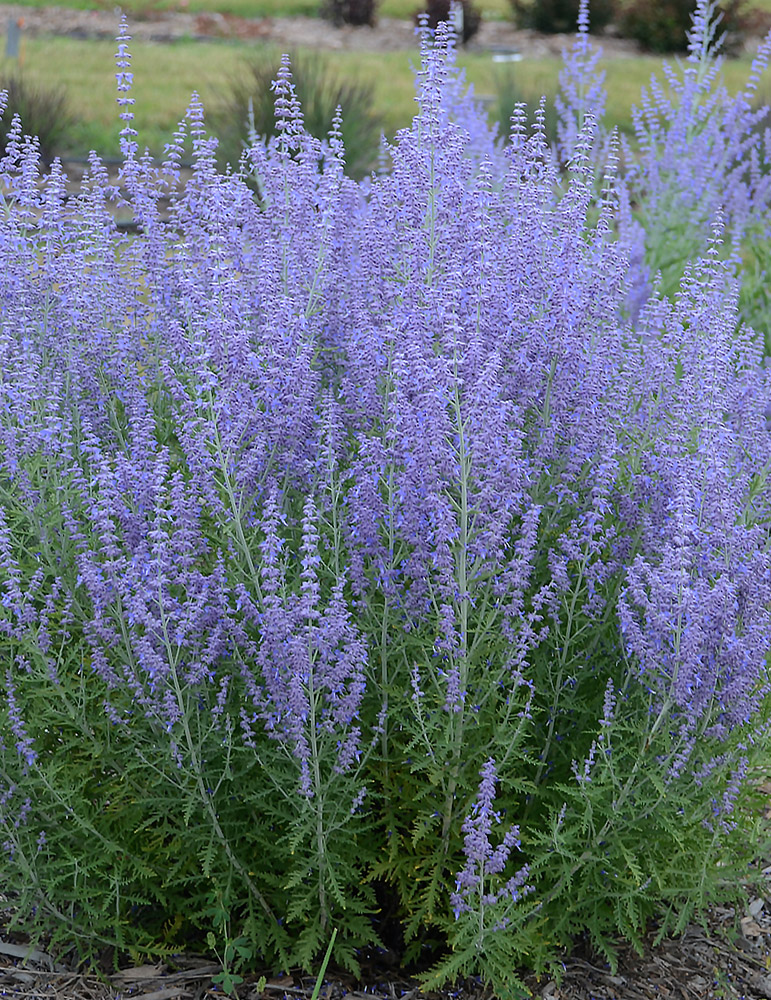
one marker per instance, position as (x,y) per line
(728,959)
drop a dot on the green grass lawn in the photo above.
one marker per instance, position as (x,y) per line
(166,75)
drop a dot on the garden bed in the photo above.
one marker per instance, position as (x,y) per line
(389,35)
(705,963)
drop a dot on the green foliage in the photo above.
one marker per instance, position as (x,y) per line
(44,112)
(661,26)
(355,12)
(147,844)
(248,108)
(626,841)
(439,10)
(232,955)
(560,16)
(755,293)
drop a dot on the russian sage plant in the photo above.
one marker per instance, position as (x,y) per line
(362,551)
(701,152)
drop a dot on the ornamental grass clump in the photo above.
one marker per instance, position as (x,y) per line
(44,113)
(359,555)
(249,107)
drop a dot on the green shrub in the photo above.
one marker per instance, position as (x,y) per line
(555,17)
(357,562)
(439,10)
(662,25)
(320,90)
(356,12)
(43,111)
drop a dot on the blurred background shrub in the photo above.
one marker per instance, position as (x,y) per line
(554,17)
(44,112)
(662,25)
(658,26)
(356,12)
(320,90)
(439,10)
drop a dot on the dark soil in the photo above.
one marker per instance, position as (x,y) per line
(716,962)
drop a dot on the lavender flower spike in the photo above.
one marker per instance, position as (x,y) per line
(482,860)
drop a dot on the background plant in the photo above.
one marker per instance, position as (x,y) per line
(675,198)
(360,551)
(559,16)
(249,105)
(663,26)
(355,12)
(659,27)
(44,112)
(440,10)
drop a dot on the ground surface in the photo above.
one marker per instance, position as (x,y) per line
(388,35)
(710,964)
(730,959)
